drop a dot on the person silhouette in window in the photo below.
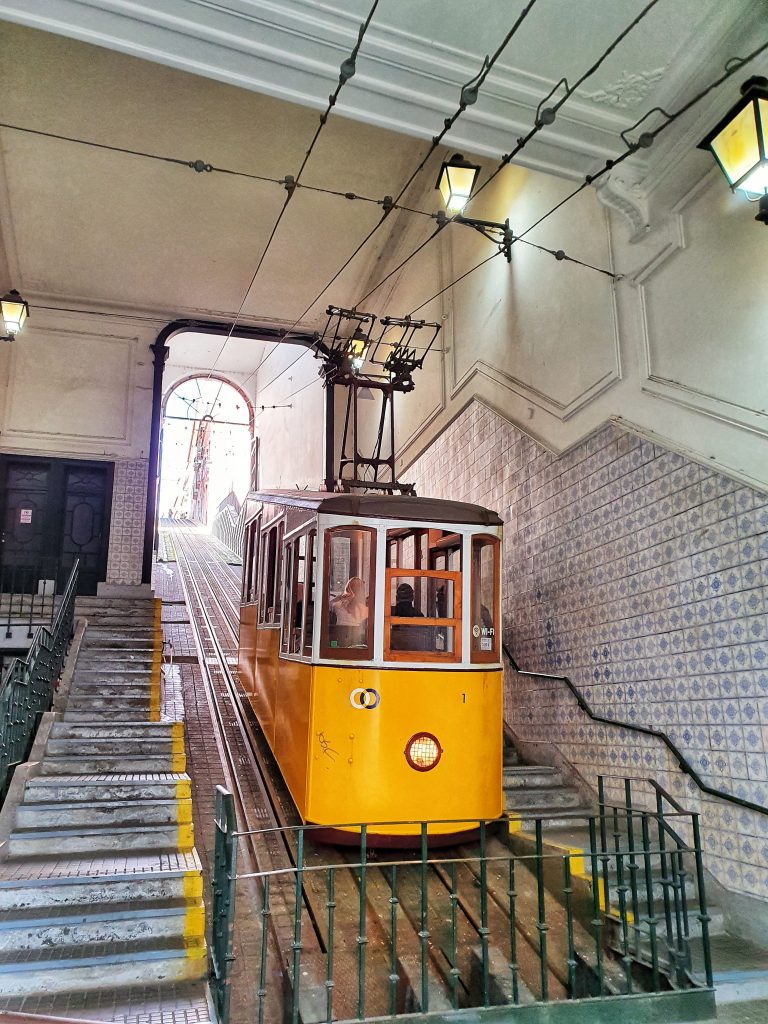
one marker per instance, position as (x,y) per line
(350,611)
(409,637)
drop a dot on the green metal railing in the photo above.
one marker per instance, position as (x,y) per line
(506,919)
(27,686)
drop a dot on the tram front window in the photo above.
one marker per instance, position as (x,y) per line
(422,622)
(348,611)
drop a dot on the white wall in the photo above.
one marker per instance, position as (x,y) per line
(80,386)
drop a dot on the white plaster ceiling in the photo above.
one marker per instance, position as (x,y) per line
(418,53)
(92,227)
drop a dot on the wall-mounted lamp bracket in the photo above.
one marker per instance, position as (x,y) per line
(500,234)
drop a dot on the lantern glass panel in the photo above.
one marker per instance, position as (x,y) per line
(737,147)
(14,315)
(456,186)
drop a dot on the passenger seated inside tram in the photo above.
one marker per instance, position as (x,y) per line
(349,615)
(410,637)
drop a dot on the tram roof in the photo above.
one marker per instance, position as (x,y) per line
(379,506)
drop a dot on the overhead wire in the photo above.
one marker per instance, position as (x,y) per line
(468,96)
(645,140)
(346,71)
(542,120)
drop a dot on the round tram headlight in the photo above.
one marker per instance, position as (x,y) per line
(423,751)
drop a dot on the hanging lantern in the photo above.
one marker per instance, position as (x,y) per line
(739,143)
(15,312)
(358,348)
(456,181)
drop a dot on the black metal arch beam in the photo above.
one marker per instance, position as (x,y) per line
(160,352)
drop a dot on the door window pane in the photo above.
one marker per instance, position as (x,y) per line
(485,611)
(348,598)
(422,621)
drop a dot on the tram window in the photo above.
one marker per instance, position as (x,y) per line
(250,564)
(347,630)
(485,601)
(269,584)
(422,621)
(309,593)
(407,548)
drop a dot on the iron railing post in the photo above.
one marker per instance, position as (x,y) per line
(394,976)
(632,865)
(330,904)
(651,918)
(704,917)
(514,967)
(424,930)
(597,916)
(454,970)
(483,930)
(261,992)
(362,937)
(223,904)
(568,892)
(621,890)
(297,945)
(541,924)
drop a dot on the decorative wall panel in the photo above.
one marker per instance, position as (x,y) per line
(643,576)
(126,539)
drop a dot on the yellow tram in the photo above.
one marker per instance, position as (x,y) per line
(370,648)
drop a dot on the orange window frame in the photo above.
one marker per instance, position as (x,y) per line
(454,621)
(347,653)
(494,655)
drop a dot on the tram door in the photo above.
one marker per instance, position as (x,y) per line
(54,511)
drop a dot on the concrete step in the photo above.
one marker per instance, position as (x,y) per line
(108,702)
(118,746)
(551,820)
(90,788)
(141,878)
(116,656)
(551,798)
(103,813)
(100,671)
(118,643)
(95,966)
(525,776)
(32,842)
(136,685)
(84,715)
(113,764)
(84,925)
(98,730)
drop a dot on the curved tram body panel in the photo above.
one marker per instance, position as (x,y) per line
(370,651)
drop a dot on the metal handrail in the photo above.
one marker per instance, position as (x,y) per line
(27,686)
(683,764)
(632,890)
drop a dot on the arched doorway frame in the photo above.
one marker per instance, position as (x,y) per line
(160,350)
(222,379)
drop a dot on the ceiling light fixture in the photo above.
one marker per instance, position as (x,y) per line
(15,312)
(739,144)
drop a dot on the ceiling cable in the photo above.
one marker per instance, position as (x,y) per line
(644,141)
(201,166)
(546,115)
(346,71)
(468,97)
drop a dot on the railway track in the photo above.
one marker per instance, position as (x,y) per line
(435,963)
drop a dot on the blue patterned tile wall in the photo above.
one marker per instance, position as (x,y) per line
(643,576)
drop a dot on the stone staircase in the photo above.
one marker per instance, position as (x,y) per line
(100,884)
(539,791)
